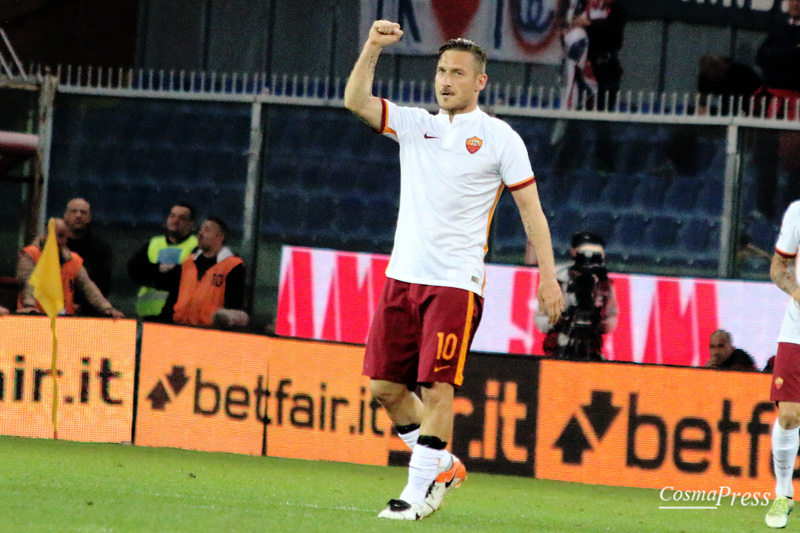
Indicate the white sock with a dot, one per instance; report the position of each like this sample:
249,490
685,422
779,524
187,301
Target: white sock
784,450
421,473
446,462
410,438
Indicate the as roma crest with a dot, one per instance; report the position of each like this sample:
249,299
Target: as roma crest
474,144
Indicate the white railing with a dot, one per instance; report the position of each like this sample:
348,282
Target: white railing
506,99
10,65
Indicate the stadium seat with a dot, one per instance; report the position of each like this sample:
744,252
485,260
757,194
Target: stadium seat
168,150
507,231
284,216
321,221
587,188
228,203
650,192
619,191
552,190
632,155
762,233
601,222
711,197
682,195
381,216
707,263
630,234
350,213
662,235
699,239
282,172
564,221
341,176
58,193
380,221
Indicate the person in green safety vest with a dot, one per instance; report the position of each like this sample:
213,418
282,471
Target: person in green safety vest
149,266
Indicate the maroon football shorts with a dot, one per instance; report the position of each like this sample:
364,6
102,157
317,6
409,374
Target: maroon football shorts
786,374
421,333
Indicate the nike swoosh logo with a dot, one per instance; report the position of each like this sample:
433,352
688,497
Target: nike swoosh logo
437,368
452,478
430,137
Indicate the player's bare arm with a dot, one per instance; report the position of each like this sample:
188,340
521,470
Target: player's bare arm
549,294
358,96
782,275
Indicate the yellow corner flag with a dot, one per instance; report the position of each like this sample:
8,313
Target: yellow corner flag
49,292
46,277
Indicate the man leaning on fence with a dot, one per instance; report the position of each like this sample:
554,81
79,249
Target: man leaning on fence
75,278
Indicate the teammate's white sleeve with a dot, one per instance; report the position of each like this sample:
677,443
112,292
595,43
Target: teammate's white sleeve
789,238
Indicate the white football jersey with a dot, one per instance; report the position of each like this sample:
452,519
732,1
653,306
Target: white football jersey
451,177
787,245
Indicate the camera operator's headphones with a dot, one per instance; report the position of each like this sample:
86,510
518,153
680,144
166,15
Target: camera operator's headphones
587,237
592,248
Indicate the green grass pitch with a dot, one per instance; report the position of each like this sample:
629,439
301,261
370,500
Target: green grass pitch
61,486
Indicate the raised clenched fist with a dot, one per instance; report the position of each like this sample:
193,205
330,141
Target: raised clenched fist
385,33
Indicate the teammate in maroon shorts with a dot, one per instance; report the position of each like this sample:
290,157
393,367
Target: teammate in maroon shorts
785,389
453,168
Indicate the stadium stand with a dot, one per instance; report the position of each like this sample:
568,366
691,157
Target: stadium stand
329,181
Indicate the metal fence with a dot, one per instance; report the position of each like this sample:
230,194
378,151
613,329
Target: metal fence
740,135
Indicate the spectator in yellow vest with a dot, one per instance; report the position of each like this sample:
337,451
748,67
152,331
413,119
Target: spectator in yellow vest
212,282
152,264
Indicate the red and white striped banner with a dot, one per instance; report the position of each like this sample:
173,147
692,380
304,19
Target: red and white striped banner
331,295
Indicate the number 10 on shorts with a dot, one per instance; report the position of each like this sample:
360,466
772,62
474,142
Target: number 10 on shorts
447,345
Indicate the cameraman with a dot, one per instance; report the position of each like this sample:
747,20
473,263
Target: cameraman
590,304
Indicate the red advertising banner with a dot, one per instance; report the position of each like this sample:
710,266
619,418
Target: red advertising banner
96,362
331,295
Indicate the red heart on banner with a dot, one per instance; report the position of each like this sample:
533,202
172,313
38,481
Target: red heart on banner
454,16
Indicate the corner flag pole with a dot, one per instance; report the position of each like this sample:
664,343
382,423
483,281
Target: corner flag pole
49,293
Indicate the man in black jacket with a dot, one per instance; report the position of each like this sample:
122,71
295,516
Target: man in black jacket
779,55
95,252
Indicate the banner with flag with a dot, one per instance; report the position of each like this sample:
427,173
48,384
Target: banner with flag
49,292
512,30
